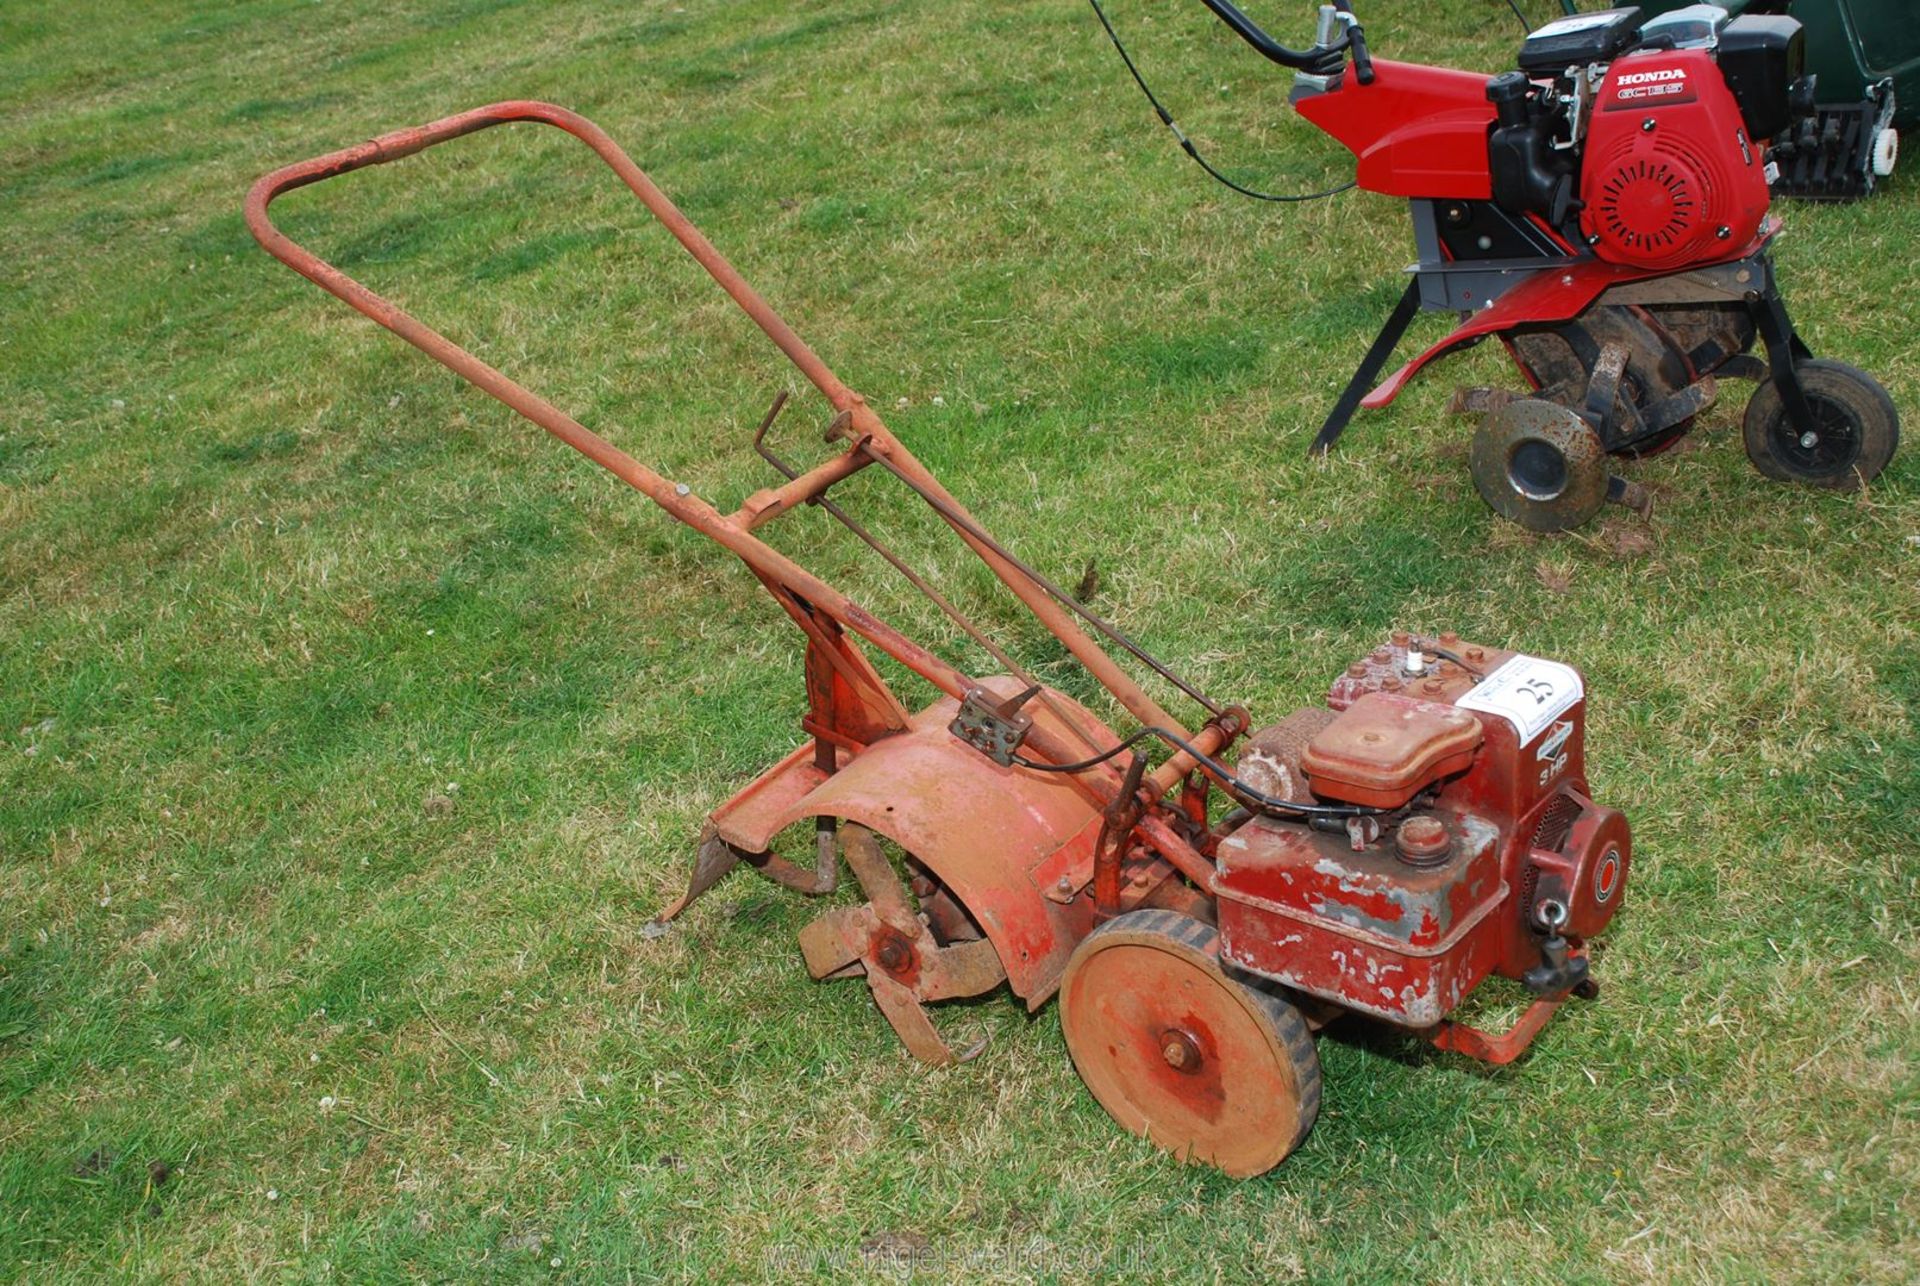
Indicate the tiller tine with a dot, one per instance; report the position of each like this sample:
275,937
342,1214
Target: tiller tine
1690,401
712,860
1478,400
715,858
1629,494
904,965
1603,386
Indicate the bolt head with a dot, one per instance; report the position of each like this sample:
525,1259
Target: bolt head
1180,1050
1808,441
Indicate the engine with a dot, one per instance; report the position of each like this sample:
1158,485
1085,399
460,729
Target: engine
1490,858
1648,139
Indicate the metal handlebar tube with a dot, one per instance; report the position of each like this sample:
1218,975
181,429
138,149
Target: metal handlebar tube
1321,60
800,592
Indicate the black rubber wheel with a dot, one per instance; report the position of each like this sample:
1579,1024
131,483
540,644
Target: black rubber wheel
1858,429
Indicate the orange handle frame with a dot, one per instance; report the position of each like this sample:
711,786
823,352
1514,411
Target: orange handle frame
869,437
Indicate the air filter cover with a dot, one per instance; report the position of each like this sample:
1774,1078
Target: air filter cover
1385,748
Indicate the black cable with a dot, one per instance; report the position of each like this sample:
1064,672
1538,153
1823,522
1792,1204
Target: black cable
1035,765
1445,655
1259,801
1524,24
1186,144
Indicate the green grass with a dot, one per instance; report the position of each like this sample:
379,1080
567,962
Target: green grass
350,731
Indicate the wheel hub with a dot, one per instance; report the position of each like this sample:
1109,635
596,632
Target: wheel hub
1537,469
1181,1050
1829,447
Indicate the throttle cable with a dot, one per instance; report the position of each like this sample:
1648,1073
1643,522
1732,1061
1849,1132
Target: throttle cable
1186,144
1258,800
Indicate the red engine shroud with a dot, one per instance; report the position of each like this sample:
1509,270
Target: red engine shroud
1417,131
1669,177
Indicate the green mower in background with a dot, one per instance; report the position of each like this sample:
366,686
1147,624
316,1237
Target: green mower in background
1866,56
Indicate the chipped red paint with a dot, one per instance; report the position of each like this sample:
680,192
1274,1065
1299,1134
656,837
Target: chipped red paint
1369,931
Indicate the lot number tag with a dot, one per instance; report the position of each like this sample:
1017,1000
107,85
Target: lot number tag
1528,692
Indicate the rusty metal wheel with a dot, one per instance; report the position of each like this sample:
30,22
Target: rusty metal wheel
1210,1068
1538,464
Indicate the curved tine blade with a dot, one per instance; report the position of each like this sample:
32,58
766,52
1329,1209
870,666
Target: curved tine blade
832,943
963,969
1478,400
910,1021
1687,403
714,858
881,883
1603,386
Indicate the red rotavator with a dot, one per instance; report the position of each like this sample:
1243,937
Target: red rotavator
1426,828
1603,210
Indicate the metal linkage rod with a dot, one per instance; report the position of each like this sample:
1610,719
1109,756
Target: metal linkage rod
914,578
969,527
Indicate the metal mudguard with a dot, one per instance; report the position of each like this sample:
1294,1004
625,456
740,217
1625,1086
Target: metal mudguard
983,829
1548,297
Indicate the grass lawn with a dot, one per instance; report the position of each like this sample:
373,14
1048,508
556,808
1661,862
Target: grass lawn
351,730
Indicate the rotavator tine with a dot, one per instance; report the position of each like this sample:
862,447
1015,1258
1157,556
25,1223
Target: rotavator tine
904,965
878,878
1478,400
831,944
714,859
1603,386
1622,491
910,1022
